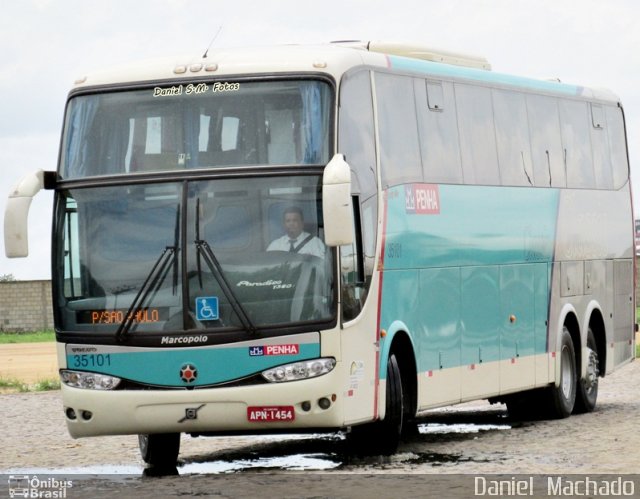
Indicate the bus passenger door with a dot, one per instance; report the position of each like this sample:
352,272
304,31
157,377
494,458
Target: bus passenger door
358,290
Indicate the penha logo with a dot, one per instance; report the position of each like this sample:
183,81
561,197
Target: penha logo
422,199
260,350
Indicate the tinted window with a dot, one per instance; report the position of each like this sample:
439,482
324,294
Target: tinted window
600,149
356,133
356,139
205,125
512,134
617,142
546,144
477,135
438,129
399,149
576,123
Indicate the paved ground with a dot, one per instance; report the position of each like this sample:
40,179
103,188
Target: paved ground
467,440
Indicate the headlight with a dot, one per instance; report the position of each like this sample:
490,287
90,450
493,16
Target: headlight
299,370
90,381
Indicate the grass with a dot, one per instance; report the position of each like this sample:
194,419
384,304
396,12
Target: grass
37,337
44,385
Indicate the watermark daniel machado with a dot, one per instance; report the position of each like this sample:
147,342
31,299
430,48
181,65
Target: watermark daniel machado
557,486
38,487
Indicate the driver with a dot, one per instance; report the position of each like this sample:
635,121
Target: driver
296,240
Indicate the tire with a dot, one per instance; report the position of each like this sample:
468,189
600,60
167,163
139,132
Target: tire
562,398
587,390
383,436
391,425
160,449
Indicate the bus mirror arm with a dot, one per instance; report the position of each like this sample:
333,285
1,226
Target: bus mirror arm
337,211
16,243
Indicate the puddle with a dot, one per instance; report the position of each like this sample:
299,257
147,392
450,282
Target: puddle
314,452
447,429
298,462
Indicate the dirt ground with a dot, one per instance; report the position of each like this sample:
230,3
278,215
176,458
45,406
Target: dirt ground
28,362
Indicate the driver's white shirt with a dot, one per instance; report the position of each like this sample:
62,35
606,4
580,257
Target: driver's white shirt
313,247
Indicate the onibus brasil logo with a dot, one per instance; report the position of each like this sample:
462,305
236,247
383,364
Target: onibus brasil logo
34,486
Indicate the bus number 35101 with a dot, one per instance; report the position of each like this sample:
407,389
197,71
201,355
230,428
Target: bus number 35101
93,360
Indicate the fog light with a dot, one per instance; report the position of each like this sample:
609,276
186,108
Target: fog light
86,415
324,403
71,414
306,406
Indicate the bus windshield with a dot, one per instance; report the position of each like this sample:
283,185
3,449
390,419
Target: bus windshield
196,125
215,255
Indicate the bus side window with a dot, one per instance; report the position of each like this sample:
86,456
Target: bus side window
400,159
73,276
575,124
618,147
356,141
438,131
546,144
600,149
352,270
477,135
512,134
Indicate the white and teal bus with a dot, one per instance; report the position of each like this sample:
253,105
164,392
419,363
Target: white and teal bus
472,236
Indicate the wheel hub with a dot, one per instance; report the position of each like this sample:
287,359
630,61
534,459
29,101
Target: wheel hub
591,379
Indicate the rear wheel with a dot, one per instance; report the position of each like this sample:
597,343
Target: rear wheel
587,391
160,449
562,398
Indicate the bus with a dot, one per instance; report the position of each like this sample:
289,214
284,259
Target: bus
466,235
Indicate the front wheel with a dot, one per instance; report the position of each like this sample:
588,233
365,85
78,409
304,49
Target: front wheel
562,398
383,436
160,449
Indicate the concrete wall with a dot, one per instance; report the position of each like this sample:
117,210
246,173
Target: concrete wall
25,306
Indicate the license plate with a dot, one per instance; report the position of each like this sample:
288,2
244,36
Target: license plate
275,413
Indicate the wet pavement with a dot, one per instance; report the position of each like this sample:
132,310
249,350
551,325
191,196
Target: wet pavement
447,449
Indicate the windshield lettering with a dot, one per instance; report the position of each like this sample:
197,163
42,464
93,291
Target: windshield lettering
182,340
167,92
273,284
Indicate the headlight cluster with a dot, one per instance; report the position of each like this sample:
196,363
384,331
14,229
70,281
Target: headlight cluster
299,370
90,381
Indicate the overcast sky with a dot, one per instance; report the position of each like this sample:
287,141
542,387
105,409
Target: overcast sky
45,45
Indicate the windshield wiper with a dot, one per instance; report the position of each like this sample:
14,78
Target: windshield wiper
155,278
205,251
212,262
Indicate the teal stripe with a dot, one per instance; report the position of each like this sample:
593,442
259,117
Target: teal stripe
477,225
479,75
455,277
214,365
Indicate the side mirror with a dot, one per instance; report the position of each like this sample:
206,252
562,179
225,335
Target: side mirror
16,244
337,211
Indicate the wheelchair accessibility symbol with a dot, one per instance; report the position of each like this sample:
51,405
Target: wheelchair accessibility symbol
207,308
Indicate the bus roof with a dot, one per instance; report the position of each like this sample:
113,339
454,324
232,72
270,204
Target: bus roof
333,59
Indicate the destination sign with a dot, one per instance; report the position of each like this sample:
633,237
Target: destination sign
141,316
